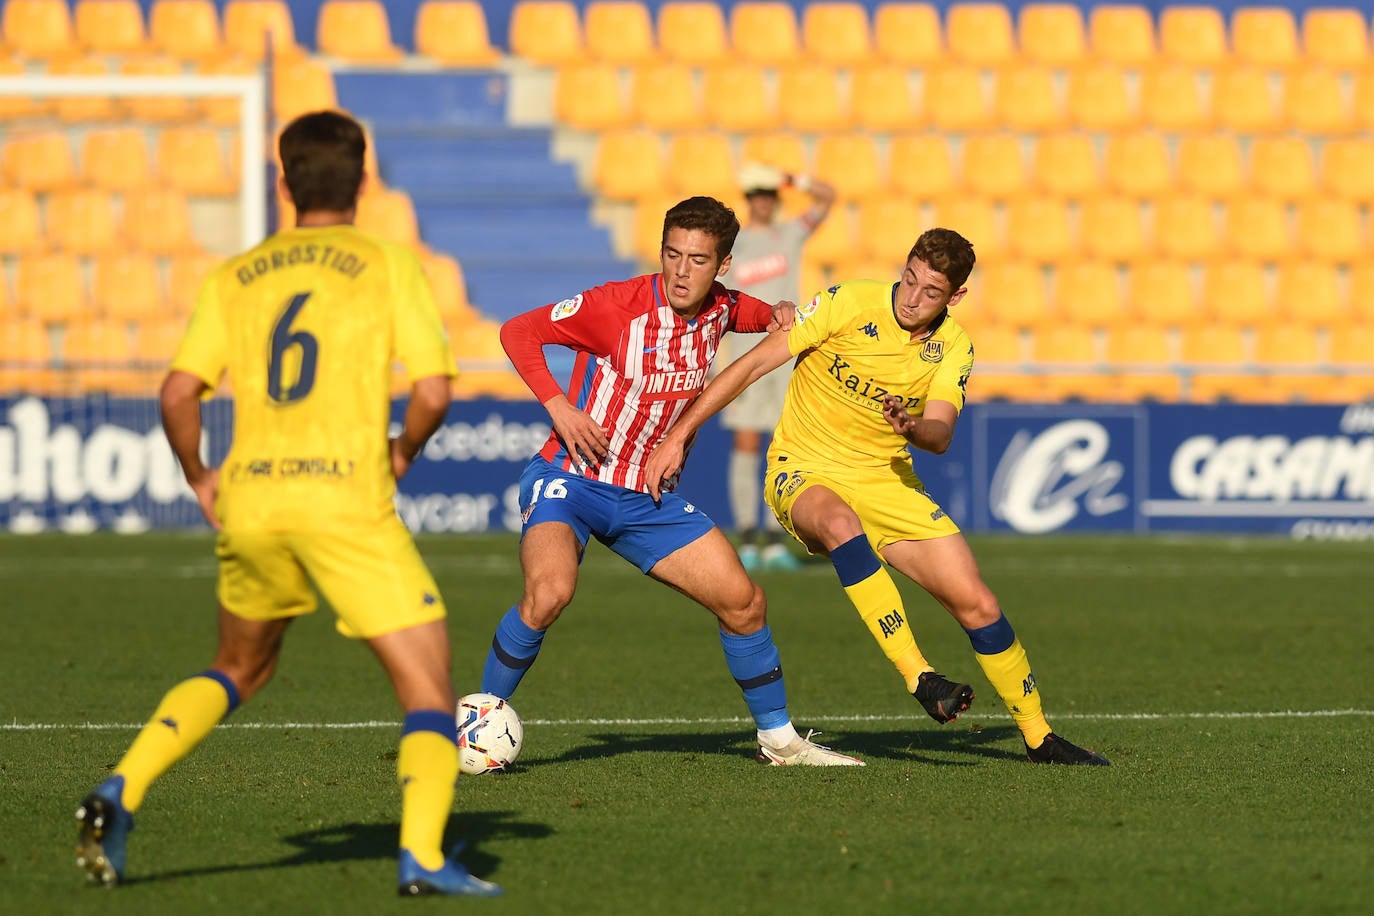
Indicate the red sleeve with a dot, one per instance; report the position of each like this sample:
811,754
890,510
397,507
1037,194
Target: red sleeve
582,325
749,315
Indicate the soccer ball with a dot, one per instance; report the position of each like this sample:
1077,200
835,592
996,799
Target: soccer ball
490,735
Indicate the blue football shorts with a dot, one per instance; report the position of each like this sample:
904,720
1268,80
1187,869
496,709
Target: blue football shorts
629,523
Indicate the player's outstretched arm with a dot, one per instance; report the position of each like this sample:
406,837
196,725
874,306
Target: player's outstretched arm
932,432
667,459
180,403
426,409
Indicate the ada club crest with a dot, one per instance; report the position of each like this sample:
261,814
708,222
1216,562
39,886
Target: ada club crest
566,309
933,351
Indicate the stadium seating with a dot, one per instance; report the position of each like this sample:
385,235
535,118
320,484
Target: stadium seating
186,29
1123,35
1337,38
980,33
162,109
82,221
255,28
703,21
38,28
908,33
51,288
21,228
127,287
454,33
546,32
810,99
665,96
1052,34
765,32
619,32
836,33
1194,36
357,31
1065,164
921,166
110,27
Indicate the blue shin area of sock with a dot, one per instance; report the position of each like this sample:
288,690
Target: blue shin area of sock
439,721
994,638
757,668
854,560
513,650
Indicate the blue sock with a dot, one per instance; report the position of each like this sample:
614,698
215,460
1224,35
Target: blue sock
757,668
513,649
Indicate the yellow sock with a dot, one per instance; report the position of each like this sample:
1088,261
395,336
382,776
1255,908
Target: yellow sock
878,602
181,721
427,766
1010,674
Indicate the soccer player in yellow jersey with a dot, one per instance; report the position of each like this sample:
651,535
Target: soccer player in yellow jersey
307,326
880,367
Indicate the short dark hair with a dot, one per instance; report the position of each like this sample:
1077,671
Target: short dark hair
322,157
707,214
945,251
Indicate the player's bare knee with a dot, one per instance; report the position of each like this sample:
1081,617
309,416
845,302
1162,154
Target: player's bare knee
980,611
544,601
747,614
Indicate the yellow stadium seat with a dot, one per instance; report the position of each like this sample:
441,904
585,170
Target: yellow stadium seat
1122,34
156,339
389,214
186,29
18,107
1231,386
1171,100
25,346
40,161
1013,295
1065,344
1111,229
1363,105
1143,350
1243,101
1337,38
1186,228
96,350
997,346
224,111
83,108
629,165
993,165
920,166
82,222
702,162
664,96
590,97
1257,228
1347,169
835,241
703,23
192,160
1039,230
781,150
1314,289
1329,230
1193,35
546,32
1314,102
1161,294
1211,164
954,99
110,26
1362,298
976,221
128,287
619,31
837,32
765,32
158,222
1097,99
51,288
1283,167
1353,345
449,288
357,31
185,275
1235,292
881,99
1215,344
888,226
1025,99
454,33
252,27
850,163
908,33
980,33
1286,344
1090,294
737,98
647,233
21,229
810,100
1065,164
158,108
38,28
1052,34
302,85
1137,164
1265,37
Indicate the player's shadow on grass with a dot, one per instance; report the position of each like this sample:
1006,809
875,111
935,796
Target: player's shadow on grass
361,842
919,745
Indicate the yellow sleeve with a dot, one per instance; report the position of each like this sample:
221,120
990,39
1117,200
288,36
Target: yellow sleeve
950,382
420,341
204,351
814,322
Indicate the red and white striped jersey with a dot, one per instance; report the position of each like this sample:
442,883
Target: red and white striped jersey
638,367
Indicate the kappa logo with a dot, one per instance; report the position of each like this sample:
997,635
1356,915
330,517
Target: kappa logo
871,330
566,309
933,351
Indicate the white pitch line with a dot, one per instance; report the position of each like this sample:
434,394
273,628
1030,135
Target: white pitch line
721,720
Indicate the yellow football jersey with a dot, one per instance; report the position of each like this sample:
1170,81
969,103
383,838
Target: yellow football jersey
852,353
307,326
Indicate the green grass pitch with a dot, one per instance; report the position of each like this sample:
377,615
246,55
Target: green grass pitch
1228,680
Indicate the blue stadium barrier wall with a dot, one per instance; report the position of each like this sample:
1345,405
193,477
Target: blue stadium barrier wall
1305,472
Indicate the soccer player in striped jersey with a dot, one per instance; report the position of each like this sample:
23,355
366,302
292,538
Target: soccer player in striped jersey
881,367
643,350
307,326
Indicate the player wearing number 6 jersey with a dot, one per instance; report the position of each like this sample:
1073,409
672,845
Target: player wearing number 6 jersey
643,349
306,326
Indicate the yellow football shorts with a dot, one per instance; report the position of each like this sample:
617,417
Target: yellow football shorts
374,578
891,502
